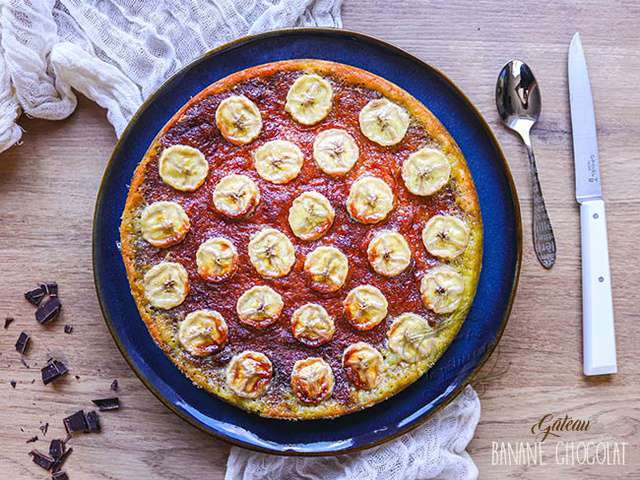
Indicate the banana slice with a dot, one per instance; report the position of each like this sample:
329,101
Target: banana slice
410,337
236,196
312,325
166,285
365,307
259,307
370,200
238,119
182,167
426,171
384,122
309,99
216,259
164,224
312,380
278,161
441,289
327,268
389,253
445,236
335,152
249,374
203,332
362,364
310,215
271,253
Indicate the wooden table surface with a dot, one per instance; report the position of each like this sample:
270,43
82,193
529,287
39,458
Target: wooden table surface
48,186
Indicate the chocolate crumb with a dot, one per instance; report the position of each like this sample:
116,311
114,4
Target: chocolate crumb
68,329
24,362
32,439
42,460
13,383
60,476
77,377
48,311
105,404
8,321
114,386
93,421
35,296
53,370
56,448
22,344
44,429
76,422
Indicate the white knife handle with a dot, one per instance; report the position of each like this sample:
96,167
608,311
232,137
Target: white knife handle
599,342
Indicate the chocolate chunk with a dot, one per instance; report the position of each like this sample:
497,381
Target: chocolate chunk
44,429
22,344
68,329
50,288
60,462
93,421
105,404
13,383
114,386
42,460
56,448
35,296
60,476
8,321
32,439
53,370
48,311
76,422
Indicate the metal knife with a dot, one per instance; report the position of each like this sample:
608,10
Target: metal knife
598,335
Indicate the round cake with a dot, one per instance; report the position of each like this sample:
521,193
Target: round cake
303,239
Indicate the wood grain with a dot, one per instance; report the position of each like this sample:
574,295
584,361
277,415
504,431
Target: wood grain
48,187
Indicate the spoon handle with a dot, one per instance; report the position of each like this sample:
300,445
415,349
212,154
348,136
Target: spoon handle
544,242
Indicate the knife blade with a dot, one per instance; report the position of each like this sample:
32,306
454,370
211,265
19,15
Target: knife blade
598,335
583,124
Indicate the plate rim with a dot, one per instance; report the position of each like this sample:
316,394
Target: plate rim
398,51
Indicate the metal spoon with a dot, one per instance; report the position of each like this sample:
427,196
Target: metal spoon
519,103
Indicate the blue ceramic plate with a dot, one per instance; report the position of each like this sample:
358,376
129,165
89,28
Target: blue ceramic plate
480,332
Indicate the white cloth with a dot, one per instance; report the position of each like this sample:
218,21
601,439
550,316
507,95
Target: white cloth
117,52
435,450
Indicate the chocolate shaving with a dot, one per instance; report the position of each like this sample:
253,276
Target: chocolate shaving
60,462
68,329
42,460
59,476
13,383
44,429
93,421
53,370
48,311
22,344
8,321
32,439
56,448
24,362
76,422
114,386
35,296
105,404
